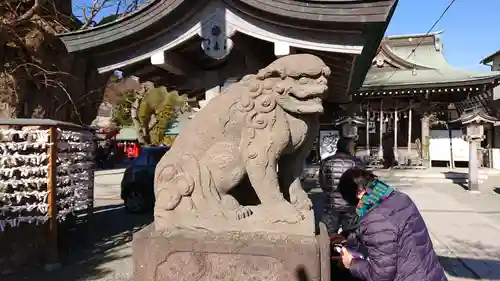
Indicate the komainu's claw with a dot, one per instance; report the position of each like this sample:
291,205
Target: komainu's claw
244,212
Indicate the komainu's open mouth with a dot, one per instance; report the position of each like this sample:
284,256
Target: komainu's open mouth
299,98
311,97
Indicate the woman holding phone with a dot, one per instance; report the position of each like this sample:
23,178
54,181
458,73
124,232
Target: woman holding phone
390,230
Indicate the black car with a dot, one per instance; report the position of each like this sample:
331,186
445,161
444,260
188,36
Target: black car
137,187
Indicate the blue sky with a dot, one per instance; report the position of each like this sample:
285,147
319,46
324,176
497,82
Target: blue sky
471,27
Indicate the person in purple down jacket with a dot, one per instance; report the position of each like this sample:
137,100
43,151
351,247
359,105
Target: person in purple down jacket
391,241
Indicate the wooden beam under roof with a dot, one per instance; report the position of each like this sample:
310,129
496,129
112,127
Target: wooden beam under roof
147,72
172,63
331,57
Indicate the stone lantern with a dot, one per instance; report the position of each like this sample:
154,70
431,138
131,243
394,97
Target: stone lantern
349,127
474,122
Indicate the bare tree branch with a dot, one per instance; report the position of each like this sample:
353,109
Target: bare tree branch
28,63
93,10
31,12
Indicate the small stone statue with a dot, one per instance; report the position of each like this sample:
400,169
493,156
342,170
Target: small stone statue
259,131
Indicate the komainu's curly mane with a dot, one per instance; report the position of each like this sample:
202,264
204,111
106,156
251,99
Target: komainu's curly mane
256,102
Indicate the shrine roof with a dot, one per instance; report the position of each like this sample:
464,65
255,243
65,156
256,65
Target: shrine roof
490,58
348,32
127,134
418,50
41,122
159,16
475,116
425,78
351,119
418,61
178,124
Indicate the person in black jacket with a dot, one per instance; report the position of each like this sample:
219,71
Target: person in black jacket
337,213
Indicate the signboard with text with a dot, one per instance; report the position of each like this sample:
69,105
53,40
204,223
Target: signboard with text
372,129
328,142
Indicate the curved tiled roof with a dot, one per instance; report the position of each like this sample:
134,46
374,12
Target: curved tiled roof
476,115
351,26
490,58
136,22
164,14
389,79
326,10
422,66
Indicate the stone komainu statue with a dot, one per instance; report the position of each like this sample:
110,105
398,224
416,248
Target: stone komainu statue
261,125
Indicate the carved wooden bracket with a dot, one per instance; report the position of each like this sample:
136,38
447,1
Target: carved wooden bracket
216,36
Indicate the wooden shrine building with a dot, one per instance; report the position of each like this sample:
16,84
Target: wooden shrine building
411,93
200,47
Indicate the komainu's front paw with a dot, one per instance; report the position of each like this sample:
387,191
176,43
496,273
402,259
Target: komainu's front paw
300,199
284,212
243,212
304,204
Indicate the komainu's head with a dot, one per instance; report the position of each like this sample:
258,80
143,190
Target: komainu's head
296,82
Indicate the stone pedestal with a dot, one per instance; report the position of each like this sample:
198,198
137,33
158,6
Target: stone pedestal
182,255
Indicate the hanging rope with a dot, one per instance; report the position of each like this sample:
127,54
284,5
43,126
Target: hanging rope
374,114
367,107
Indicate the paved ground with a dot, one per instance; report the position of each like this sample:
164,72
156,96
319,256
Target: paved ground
465,229
464,226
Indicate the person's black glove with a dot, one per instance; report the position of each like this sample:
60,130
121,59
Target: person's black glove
337,239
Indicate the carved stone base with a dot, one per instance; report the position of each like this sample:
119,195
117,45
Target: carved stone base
181,255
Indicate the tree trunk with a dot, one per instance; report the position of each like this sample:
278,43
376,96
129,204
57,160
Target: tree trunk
141,135
38,78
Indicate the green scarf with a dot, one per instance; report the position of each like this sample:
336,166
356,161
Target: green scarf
374,195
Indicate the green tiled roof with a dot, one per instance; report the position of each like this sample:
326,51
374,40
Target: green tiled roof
426,77
176,127
127,134
431,67
425,56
